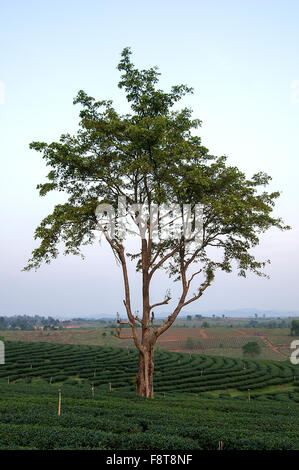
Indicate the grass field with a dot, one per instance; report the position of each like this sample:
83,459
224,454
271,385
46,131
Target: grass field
209,395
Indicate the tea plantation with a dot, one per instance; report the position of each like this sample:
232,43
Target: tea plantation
199,401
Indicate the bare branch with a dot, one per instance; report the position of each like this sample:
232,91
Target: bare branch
119,248
120,322
160,303
200,292
193,276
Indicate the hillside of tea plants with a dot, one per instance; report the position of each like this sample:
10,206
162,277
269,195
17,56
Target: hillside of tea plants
199,401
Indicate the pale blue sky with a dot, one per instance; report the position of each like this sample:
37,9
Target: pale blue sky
242,60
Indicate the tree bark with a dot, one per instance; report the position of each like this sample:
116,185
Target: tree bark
145,380
146,354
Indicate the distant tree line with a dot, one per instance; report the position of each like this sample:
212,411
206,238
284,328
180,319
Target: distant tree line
284,323
28,323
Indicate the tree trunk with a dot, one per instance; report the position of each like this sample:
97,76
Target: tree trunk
145,380
145,385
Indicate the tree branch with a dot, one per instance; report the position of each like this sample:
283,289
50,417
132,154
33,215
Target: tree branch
193,276
160,303
165,258
119,248
200,292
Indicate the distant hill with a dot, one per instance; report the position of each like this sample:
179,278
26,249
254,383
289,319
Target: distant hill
234,313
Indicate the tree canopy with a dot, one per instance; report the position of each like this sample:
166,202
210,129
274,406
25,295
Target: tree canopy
150,155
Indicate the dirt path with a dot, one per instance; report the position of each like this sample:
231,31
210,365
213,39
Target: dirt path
270,345
203,333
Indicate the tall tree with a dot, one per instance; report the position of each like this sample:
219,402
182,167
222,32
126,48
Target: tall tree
153,157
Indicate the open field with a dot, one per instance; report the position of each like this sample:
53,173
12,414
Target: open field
222,341
208,394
